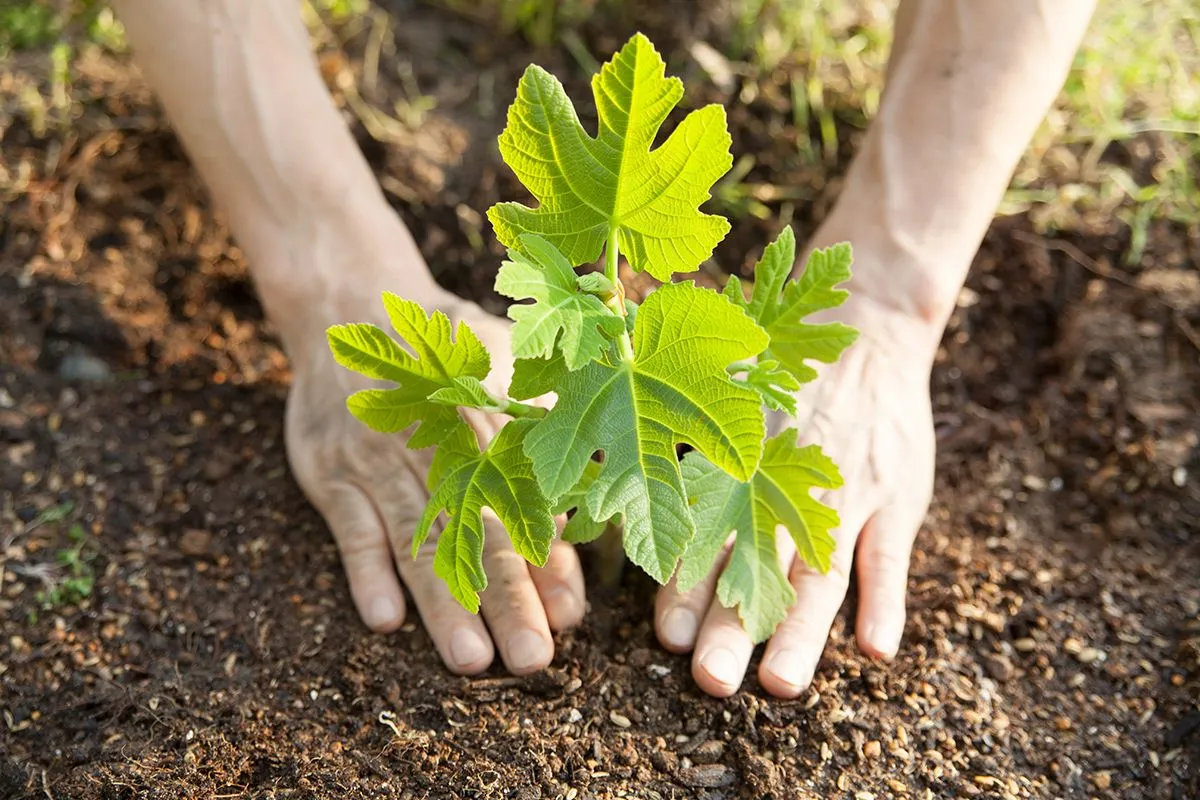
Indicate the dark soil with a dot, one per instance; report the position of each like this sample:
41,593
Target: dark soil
1053,648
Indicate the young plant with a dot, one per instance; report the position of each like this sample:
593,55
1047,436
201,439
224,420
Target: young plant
689,366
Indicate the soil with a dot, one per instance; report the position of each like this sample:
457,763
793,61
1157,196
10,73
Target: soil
1053,647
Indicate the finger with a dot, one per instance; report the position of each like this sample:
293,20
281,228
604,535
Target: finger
792,654
366,556
461,637
723,648
883,558
677,615
560,585
511,605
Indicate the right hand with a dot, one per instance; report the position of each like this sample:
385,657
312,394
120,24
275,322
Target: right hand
371,490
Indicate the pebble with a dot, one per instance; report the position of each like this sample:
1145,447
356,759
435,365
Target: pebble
872,749
999,668
572,686
195,542
84,368
1025,645
1089,654
1102,779
574,715
619,719
706,776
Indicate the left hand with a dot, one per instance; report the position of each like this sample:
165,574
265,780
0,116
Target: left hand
870,412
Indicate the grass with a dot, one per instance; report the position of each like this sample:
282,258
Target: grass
1135,83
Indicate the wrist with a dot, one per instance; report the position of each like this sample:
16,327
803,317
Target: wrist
903,262
327,270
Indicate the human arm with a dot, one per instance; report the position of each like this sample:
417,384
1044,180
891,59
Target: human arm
243,92
968,83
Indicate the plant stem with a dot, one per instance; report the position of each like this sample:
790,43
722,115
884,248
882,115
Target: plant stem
503,405
611,260
611,256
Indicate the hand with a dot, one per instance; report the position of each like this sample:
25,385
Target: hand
871,413
371,491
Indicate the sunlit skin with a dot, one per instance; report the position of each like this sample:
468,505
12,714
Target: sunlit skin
968,83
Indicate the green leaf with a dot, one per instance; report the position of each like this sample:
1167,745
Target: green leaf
534,377
587,188
436,360
596,283
775,385
780,305
578,323
465,392
581,528
676,390
501,479
777,495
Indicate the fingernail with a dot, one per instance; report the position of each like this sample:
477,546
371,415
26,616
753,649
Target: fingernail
883,638
383,612
467,648
679,627
792,668
723,666
527,650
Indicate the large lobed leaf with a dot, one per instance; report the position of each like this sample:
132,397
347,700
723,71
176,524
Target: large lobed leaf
781,305
501,479
562,317
676,390
776,495
587,188
439,358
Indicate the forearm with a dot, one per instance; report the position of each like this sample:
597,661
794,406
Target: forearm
969,82
241,87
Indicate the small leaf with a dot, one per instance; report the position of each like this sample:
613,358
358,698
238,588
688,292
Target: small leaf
794,341
776,386
465,392
676,390
777,495
534,377
436,360
577,323
596,283
499,478
581,528
588,187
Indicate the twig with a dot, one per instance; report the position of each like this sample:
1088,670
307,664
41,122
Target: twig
1075,254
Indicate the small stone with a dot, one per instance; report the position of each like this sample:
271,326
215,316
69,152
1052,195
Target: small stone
572,686
872,749
1089,654
897,786
573,716
1102,780
709,753
619,719
706,776
1062,723
1025,645
1073,646
195,542
999,668
83,368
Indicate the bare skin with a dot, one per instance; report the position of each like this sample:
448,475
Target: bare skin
968,83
